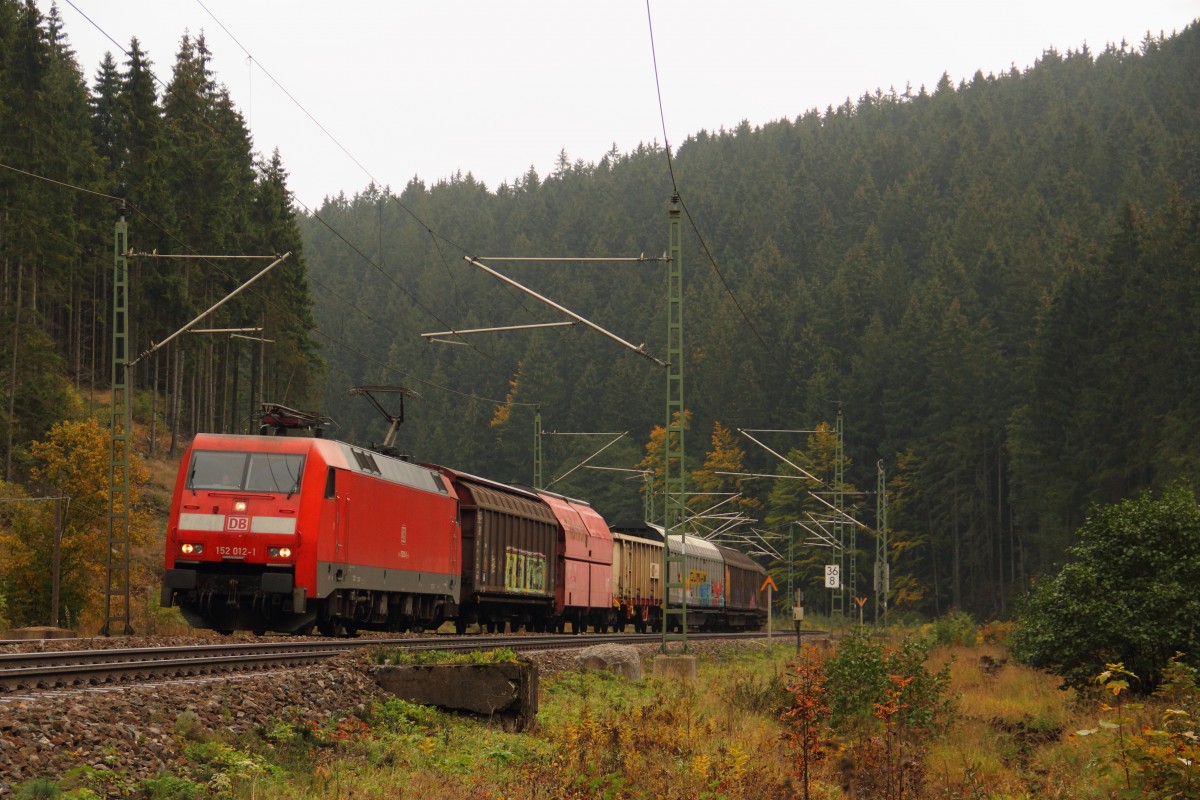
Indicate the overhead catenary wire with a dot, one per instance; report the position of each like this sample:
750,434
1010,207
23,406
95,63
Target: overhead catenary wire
61,183
695,229
639,349
437,239
375,181
315,215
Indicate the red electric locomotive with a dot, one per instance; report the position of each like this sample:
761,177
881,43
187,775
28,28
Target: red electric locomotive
292,533
287,533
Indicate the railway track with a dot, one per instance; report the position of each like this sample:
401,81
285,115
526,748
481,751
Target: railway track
66,668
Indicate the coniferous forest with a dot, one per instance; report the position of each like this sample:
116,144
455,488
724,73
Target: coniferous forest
992,287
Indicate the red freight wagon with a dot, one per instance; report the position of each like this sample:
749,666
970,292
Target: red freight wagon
600,597
510,544
584,595
284,533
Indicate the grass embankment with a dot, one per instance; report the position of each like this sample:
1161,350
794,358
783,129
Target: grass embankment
958,721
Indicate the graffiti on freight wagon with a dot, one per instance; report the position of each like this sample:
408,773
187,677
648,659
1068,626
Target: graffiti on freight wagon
524,571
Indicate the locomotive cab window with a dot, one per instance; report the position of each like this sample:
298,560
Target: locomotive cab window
247,472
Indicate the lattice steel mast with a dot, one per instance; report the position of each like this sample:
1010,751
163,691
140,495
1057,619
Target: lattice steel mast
674,471
116,596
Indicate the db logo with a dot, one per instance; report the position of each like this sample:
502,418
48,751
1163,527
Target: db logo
240,524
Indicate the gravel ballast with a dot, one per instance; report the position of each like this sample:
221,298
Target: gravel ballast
134,730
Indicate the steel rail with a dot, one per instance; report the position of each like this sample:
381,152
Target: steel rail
52,669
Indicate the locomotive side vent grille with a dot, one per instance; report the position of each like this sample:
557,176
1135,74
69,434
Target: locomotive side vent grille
366,462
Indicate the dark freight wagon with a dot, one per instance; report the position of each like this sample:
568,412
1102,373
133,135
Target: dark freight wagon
509,552
745,598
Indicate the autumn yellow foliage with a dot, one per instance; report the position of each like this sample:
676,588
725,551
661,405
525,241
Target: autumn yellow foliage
70,469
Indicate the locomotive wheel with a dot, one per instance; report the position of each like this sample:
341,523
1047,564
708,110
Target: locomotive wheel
331,627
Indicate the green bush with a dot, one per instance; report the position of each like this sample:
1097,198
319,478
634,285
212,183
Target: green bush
858,677
38,789
954,628
929,706
189,727
170,787
1128,595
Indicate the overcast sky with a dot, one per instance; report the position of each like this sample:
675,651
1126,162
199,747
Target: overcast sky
386,90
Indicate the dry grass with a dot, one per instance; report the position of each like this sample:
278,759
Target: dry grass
600,736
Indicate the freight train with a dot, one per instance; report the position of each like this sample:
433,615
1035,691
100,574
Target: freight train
296,533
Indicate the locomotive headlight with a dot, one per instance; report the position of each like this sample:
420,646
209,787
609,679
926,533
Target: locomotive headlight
285,552
239,506
187,548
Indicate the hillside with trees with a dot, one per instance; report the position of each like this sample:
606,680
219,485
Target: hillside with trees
169,154
993,282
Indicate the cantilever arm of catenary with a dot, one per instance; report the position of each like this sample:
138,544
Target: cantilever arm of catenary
639,349
616,439
218,304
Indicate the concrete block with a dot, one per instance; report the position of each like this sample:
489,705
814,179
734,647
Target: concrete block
504,693
675,666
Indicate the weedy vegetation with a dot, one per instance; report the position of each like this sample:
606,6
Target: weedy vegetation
405,657
937,712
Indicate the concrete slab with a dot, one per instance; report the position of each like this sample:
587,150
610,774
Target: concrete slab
675,666
504,693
